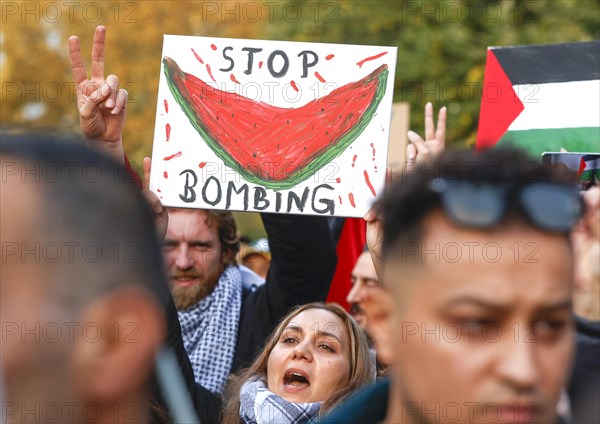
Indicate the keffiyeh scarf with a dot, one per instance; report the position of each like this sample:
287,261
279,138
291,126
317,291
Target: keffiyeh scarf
260,406
209,330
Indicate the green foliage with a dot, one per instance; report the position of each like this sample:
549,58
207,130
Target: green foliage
442,45
441,48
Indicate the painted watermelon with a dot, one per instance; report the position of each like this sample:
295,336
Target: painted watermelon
273,146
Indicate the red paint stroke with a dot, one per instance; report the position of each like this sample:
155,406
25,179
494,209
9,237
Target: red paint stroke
351,197
293,84
338,180
173,156
198,57
329,56
354,161
202,165
158,189
260,64
368,181
319,77
168,131
212,46
166,106
377,56
165,174
340,197
210,73
232,78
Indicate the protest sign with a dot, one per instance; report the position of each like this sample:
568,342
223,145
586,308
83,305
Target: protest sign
272,126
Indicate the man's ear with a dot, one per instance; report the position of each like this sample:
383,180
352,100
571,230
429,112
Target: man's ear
120,336
379,307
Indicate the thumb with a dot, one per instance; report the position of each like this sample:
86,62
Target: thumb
146,166
91,102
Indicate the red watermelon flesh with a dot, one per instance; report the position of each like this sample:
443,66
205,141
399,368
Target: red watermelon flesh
276,147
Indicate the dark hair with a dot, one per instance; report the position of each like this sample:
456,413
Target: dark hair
408,200
228,235
87,199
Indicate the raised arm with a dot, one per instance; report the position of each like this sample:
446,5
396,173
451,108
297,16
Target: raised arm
102,105
417,151
102,111
303,261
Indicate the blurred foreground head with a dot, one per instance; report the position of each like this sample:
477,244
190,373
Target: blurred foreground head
479,267
80,277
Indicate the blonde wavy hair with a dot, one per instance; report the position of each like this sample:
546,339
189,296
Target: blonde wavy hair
362,363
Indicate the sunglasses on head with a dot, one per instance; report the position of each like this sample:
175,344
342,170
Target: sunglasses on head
549,206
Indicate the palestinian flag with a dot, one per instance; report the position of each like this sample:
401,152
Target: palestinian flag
589,168
351,237
542,98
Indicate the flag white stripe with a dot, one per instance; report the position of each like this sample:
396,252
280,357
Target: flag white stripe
573,104
592,164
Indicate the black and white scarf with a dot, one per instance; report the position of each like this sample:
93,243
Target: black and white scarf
260,406
209,330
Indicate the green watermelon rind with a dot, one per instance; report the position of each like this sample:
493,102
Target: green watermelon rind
294,179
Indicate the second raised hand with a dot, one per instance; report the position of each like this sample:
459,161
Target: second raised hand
419,150
102,105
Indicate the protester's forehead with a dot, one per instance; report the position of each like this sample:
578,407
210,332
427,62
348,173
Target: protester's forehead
510,262
190,222
315,320
364,267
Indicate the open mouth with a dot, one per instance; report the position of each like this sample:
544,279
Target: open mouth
295,380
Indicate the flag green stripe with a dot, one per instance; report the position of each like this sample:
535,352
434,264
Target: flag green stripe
537,141
590,174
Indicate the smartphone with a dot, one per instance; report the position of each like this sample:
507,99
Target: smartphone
585,165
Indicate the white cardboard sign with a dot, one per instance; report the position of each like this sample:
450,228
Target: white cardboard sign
272,126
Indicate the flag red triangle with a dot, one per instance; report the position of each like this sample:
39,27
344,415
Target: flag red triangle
350,245
581,167
500,105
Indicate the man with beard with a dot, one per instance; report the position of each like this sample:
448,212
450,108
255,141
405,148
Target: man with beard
223,325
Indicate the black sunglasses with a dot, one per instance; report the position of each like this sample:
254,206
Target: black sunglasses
549,206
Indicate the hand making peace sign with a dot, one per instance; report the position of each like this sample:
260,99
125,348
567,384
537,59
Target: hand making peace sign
102,105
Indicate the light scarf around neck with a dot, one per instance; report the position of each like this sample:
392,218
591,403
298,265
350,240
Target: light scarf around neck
209,330
260,406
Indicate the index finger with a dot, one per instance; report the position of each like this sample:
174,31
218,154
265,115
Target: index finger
77,65
98,53
146,166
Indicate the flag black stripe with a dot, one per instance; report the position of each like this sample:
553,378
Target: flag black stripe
548,63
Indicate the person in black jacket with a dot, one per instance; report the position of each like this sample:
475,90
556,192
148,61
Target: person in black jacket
303,258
